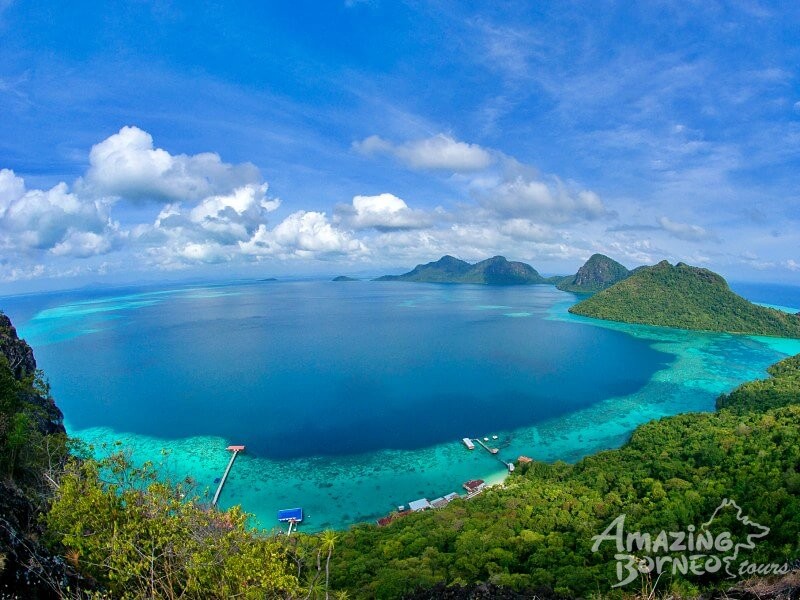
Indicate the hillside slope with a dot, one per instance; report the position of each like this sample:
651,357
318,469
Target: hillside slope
688,298
492,271
597,273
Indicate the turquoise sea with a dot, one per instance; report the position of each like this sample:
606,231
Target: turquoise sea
352,398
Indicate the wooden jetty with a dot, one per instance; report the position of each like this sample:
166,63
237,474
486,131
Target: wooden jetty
235,450
485,447
493,452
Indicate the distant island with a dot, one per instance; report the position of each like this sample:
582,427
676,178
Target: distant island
685,297
598,273
269,279
344,278
492,271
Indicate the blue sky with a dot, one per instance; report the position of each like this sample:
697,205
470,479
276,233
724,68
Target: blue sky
144,140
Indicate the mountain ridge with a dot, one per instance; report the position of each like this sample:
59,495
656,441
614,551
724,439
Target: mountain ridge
496,270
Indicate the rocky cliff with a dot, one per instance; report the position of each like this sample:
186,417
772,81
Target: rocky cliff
598,273
27,568
49,419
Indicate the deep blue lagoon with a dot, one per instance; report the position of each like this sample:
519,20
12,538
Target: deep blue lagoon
353,397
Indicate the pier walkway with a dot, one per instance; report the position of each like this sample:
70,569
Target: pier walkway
235,450
494,452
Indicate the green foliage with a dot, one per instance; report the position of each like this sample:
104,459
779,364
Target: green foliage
25,453
538,530
781,389
142,537
688,298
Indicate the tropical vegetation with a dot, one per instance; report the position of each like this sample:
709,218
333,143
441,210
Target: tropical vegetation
688,298
536,531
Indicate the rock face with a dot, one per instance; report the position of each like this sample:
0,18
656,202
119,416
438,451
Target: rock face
598,273
22,363
18,353
27,569
492,271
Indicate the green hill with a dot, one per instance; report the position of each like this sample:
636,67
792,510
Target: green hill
598,273
688,298
492,271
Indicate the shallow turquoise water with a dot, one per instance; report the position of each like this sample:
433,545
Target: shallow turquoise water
353,399
788,309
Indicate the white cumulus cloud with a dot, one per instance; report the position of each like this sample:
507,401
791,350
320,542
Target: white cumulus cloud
383,212
127,165
53,220
303,234
210,230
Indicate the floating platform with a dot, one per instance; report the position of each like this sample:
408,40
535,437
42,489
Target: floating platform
468,443
290,515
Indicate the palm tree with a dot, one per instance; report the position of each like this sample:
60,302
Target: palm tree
313,586
328,542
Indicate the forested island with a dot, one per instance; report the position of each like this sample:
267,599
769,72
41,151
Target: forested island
492,271
685,297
